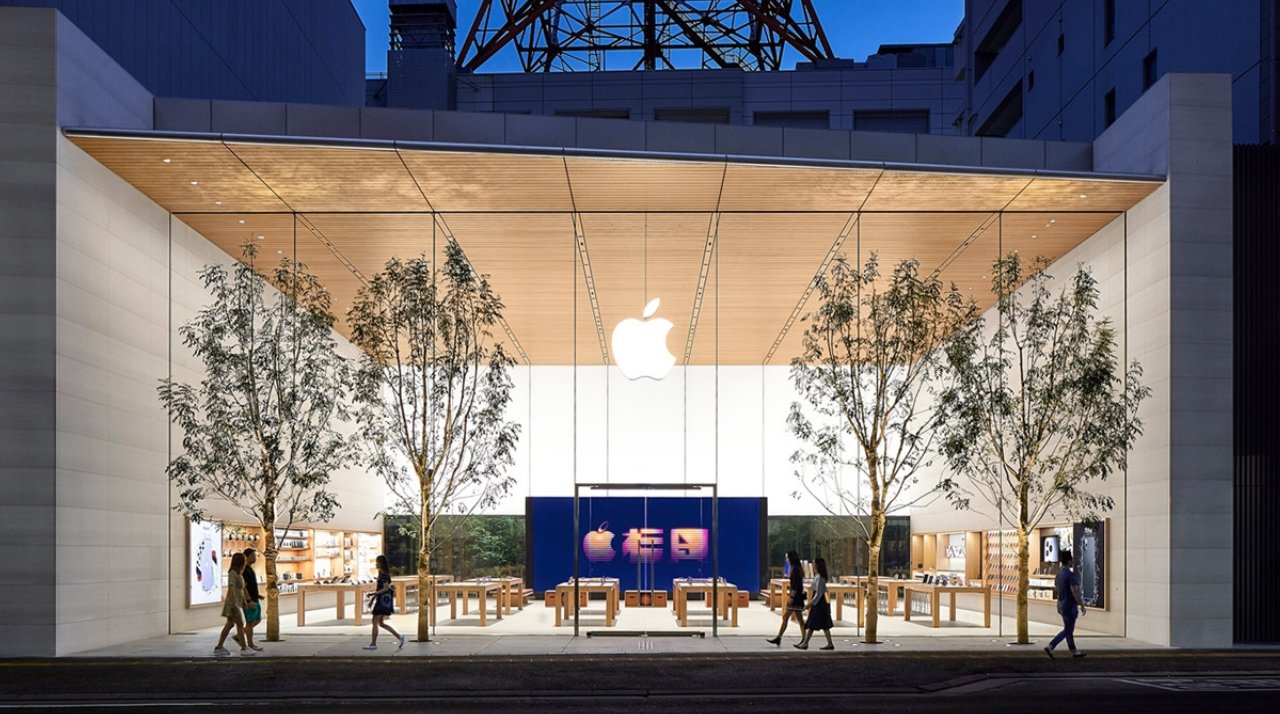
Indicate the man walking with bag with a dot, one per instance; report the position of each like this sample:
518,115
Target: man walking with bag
253,600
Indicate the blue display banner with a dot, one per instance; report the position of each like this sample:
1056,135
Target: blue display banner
644,542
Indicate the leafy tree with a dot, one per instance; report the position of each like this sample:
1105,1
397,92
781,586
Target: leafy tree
259,430
872,350
435,388
1039,407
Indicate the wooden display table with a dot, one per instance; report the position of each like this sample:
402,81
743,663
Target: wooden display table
404,583
340,590
888,587
512,590
934,593
567,606
727,594
839,592
481,590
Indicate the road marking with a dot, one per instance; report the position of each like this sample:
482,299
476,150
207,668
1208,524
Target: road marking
1209,684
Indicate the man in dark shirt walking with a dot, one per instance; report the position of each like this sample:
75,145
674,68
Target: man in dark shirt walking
1070,606
253,601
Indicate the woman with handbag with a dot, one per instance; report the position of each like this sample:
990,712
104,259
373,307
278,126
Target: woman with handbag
383,601
233,608
795,603
819,609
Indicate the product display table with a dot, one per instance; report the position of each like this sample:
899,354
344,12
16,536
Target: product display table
511,588
727,594
404,583
839,592
567,606
887,587
934,593
340,590
482,591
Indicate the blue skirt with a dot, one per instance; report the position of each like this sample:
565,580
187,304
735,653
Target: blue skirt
820,616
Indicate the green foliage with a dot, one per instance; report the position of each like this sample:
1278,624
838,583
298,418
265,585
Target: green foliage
1039,407
259,429
434,386
871,351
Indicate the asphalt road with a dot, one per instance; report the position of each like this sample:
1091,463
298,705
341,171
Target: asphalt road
951,682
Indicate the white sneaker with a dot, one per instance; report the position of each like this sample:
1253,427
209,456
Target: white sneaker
255,648
371,647
248,653
401,645
221,652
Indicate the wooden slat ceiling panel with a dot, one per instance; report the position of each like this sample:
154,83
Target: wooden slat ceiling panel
530,262
765,263
311,178
616,243
490,182
1056,194
924,191
776,188
219,175
634,185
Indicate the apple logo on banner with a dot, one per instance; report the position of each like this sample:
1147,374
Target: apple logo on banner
598,544
640,346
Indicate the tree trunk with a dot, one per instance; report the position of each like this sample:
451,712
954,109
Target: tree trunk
873,568
426,594
270,551
1024,583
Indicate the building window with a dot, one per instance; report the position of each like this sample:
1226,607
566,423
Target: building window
997,37
1149,75
1031,80
800,120
911,121
1006,115
1062,44
1109,108
696,115
595,113
1108,21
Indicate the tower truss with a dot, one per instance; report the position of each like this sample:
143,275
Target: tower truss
582,35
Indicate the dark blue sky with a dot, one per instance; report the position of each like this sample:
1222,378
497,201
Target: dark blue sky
855,27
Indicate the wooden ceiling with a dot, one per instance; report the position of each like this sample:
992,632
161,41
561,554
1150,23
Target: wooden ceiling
647,226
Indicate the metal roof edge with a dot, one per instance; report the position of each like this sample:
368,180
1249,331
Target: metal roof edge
626,154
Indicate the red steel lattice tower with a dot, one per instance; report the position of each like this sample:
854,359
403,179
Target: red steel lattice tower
580,35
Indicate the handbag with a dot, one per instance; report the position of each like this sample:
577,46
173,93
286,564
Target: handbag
253,612
385,601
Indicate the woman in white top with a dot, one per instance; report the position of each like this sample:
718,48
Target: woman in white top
233,608
819,609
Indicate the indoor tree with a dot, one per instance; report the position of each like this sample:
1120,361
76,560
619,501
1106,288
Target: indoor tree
1040,406
872,353
260,428
435,387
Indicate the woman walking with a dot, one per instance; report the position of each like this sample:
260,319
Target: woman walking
819,609
382,600
795,603
233,608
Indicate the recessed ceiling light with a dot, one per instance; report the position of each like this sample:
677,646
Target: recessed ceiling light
193,183
279,252
1084,195
261,237
217,203
1033,235
1053,220
167,161
242,221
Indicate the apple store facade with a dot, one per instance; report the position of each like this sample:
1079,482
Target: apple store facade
654,298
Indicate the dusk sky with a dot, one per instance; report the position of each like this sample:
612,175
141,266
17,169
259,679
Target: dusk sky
854,27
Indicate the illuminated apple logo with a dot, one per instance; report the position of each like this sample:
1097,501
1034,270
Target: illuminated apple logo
598,544
640,346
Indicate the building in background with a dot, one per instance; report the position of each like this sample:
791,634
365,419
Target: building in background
309,51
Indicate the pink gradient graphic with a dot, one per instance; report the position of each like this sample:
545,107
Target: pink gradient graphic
598,544
643,545
689,544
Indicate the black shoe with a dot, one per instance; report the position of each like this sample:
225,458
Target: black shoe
800,646
775,641
1049,652
1079,654
827,647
